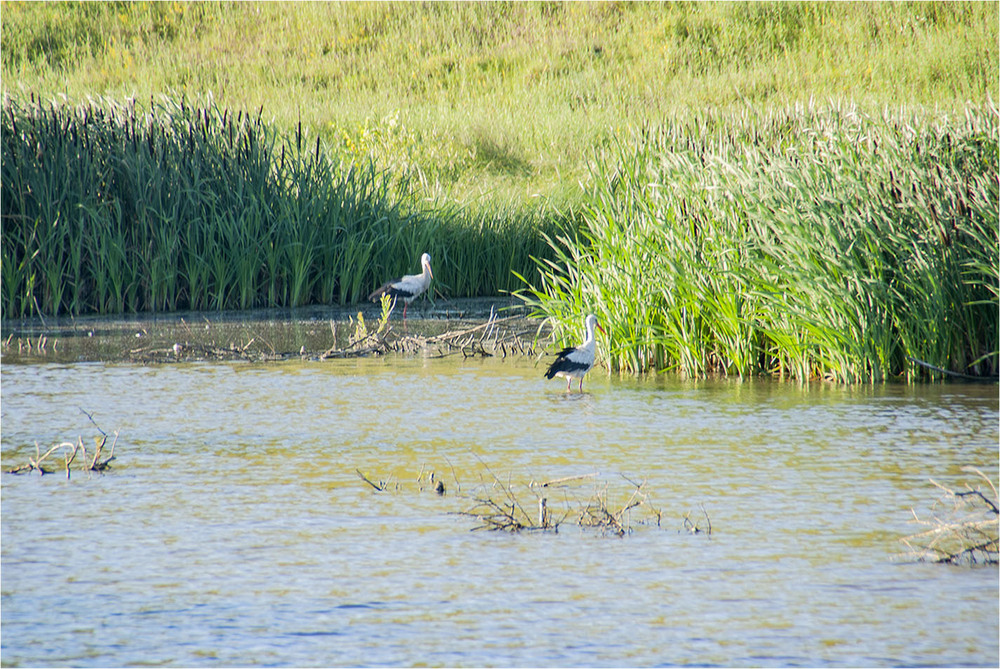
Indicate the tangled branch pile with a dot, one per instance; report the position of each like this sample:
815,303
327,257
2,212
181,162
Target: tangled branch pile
501,337
499,505
506,506
70,450
967,533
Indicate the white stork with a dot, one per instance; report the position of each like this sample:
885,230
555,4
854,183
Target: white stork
574,362
408,287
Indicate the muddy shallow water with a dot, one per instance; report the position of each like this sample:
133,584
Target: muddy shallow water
262,335
234,529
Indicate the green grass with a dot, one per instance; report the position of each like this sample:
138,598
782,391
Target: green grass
499,100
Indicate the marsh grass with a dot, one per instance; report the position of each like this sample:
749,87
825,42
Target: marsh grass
815,243
727,223
109,209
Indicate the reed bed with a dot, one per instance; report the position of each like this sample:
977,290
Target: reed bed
110,209
816,242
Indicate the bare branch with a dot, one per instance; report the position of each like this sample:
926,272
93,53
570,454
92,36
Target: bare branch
564,479
94,422
379,487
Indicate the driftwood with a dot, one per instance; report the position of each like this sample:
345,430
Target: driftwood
566,479
374,343
70,451
616,519
508,336
380,486
35,464
505,512
967,530
430,479
503,505
497,337
954,375
424,480
694,528
190,352
499,506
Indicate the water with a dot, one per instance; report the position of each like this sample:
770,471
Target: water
233,528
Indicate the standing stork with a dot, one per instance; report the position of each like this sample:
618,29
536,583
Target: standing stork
408,287
574,362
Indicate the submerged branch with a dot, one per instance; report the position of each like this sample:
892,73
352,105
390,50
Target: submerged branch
497,337
948,372
968,534
71,450
506,511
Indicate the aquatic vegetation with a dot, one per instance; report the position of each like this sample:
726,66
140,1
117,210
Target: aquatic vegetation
817,242
109,209
722,241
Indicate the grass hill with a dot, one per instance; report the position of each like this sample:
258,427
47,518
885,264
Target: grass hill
505,100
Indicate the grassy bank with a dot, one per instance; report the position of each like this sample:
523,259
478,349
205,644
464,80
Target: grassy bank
819,242
503,100
107,209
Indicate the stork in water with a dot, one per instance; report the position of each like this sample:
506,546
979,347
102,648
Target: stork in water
574,362
408,287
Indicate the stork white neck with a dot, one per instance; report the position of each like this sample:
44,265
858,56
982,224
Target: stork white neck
589,324
426,274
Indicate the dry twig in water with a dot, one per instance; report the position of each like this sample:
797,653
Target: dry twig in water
381,486
599,514
968,534
694,528
507,513
70,449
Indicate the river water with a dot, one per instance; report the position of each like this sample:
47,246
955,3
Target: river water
233,527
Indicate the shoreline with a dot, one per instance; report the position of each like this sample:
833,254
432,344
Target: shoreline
490,326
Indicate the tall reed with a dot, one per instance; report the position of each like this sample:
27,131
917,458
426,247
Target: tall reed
108,209
817,242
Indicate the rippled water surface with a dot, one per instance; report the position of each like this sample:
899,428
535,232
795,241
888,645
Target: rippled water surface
234,529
